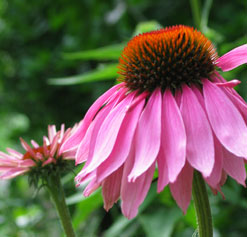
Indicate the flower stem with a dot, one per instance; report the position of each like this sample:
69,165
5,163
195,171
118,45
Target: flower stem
202,207
205,14
57,193
196,12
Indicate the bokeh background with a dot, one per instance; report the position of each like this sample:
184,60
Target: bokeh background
56,58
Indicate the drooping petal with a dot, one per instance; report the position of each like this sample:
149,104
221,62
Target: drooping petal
233,59
108,132
148,136
111,188
234,166
109,129
229,84
69,154
181,189
133,193
173,136
163,179
200,145
78,135
123,142
214,179
82,179
225,120
102,114
83,149
91,187
236,99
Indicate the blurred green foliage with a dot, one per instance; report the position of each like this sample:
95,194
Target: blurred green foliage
75,42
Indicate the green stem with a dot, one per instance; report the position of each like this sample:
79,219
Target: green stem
205,14
196,12
202,207
56,190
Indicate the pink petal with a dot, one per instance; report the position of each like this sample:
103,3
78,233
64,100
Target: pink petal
214,179
133,194
82,179
78,135
148,136
163,179
225,119
46,151
233,59
123,142
51,132
48,161
61,133
54,144
111,188
200,146
108,132
181,189
9,157
230,84
234,166
83,149
34,144
236,99
173,136
69,154
13,173
95,129
26,163
91,187
14,153
27,147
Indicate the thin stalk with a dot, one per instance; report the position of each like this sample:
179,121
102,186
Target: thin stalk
205,14
202,207
196,13
57,193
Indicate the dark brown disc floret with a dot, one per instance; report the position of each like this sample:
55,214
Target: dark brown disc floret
167,58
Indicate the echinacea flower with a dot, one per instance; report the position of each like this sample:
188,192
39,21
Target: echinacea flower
172,110
38,159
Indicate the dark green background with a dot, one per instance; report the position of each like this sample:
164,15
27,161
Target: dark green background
34,35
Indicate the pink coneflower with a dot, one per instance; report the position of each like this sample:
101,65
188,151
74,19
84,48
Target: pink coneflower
174,111
36,158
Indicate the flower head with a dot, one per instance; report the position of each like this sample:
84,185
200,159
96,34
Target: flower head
174,111
38,160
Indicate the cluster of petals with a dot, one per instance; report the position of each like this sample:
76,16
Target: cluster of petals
15,163
125,135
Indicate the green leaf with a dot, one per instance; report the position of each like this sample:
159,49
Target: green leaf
146,27
122,222
85,206
160,223
106,72
111,52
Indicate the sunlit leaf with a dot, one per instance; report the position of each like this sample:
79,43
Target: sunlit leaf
160,223
106,72
85,206
146,27
111,52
